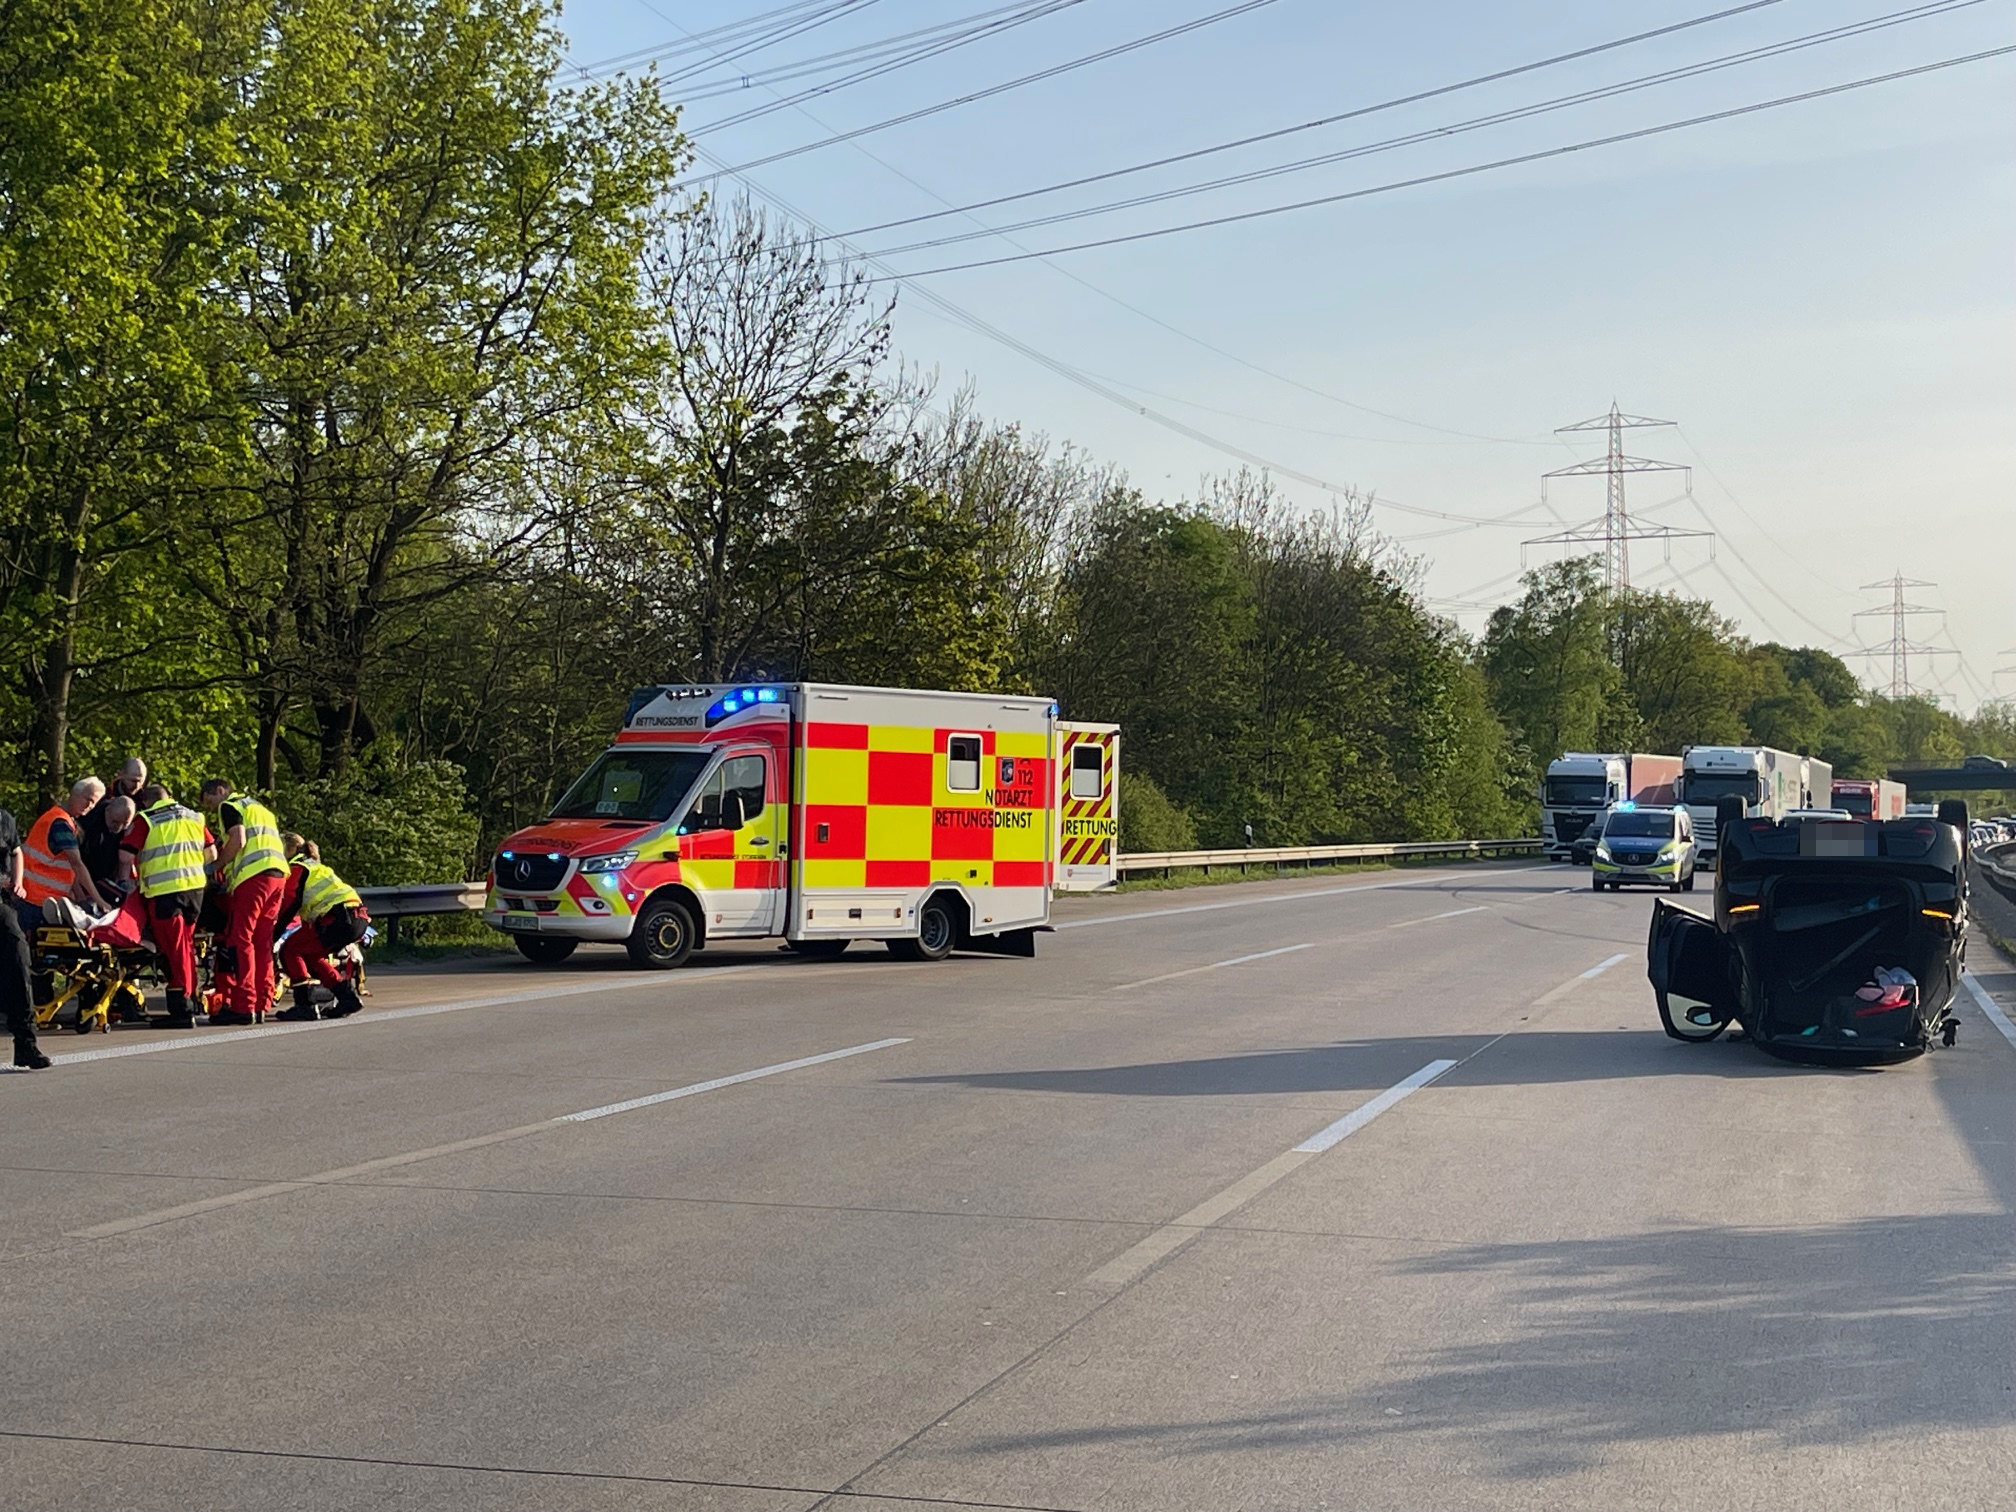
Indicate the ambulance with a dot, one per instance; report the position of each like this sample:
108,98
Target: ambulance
819,814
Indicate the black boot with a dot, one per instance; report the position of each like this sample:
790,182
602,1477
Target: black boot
179,1016
347,1001
304,1008
28,1055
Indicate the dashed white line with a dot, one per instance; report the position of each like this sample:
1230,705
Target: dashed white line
607,1109
1258,955
1135,1261
413,1157
1990,1008
1355,1120
1454,913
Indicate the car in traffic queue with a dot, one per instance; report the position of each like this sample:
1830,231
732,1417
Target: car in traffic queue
1652,845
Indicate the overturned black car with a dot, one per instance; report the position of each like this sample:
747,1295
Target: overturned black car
1835,942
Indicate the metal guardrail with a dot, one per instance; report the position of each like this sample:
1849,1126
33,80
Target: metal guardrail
1998,864
1283,857
391,904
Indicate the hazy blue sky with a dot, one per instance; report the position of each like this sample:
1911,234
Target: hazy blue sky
1820,294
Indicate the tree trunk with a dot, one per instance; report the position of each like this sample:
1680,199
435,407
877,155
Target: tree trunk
58,674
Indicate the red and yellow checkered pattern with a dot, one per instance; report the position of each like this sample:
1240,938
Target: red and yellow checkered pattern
1087,832
875,810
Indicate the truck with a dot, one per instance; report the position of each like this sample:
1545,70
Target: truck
1870,797
1580,785
1770,782
819,814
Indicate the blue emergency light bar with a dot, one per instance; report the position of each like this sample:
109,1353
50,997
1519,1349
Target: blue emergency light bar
737,701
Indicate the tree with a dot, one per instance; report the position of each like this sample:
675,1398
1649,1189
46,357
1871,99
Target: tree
1683,668
436,279
1547,660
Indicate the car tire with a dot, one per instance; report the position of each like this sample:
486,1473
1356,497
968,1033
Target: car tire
664,936
544,950
1595,884
1687,882
937,932
819,950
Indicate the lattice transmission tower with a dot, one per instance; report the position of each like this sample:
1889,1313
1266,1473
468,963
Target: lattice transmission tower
1616,530
1900,648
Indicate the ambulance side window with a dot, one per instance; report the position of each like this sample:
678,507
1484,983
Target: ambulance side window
705,814
962,763
742,778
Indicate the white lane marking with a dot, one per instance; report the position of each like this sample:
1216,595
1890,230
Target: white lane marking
1299,897
697,1088
1135,1261
454,1147
1555,994
1355,1120
1990,1007
1454,913
1601,966
1170,976
197,1041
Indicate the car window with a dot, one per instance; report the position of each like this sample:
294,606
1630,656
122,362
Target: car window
742,777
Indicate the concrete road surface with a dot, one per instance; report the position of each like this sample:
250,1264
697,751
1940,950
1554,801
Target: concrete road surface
1369,1192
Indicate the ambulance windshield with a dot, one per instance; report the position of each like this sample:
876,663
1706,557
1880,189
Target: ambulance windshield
633,784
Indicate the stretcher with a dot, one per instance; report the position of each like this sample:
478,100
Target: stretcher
100,980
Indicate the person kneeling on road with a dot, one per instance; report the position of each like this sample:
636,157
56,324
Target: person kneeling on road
332,918
253,867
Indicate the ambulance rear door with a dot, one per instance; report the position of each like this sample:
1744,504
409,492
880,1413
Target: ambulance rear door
1088,809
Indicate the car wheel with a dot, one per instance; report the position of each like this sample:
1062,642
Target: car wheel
936,932
664,936
1687,882
544,950
1595,884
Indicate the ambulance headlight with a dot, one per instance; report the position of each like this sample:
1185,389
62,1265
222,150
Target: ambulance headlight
602,865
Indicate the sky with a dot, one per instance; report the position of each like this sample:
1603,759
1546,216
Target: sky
1819,294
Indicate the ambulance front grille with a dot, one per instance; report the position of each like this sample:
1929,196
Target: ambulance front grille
529,872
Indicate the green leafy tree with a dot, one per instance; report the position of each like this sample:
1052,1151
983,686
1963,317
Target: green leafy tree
1548,662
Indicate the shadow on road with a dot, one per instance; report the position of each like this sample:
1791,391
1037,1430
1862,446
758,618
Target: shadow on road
1375,1064
1843,1335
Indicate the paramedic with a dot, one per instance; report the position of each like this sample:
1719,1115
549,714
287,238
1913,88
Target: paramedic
100,834
165,851
252,867
332,917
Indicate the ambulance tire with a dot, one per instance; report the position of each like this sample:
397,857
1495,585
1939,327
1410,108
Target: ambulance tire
937,933
544,950
664,936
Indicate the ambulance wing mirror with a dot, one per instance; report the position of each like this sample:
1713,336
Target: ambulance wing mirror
731,812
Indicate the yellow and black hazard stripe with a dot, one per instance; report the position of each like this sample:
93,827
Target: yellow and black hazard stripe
1088,831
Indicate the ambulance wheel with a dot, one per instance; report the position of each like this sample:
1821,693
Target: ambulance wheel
664,935
540,950
936,932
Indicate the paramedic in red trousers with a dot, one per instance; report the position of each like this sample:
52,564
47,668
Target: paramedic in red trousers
166,852
332,917
253,868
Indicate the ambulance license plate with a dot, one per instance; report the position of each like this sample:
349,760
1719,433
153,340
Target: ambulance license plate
522,923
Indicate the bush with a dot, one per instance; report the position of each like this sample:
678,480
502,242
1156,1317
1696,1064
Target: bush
385,823
1148,820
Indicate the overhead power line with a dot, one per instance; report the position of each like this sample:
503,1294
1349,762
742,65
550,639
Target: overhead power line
1174,158
1101,56
1518,160
728,35
961,39
1456,128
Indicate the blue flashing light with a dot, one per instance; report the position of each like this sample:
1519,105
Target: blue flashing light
1626,806
738,700
766,695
